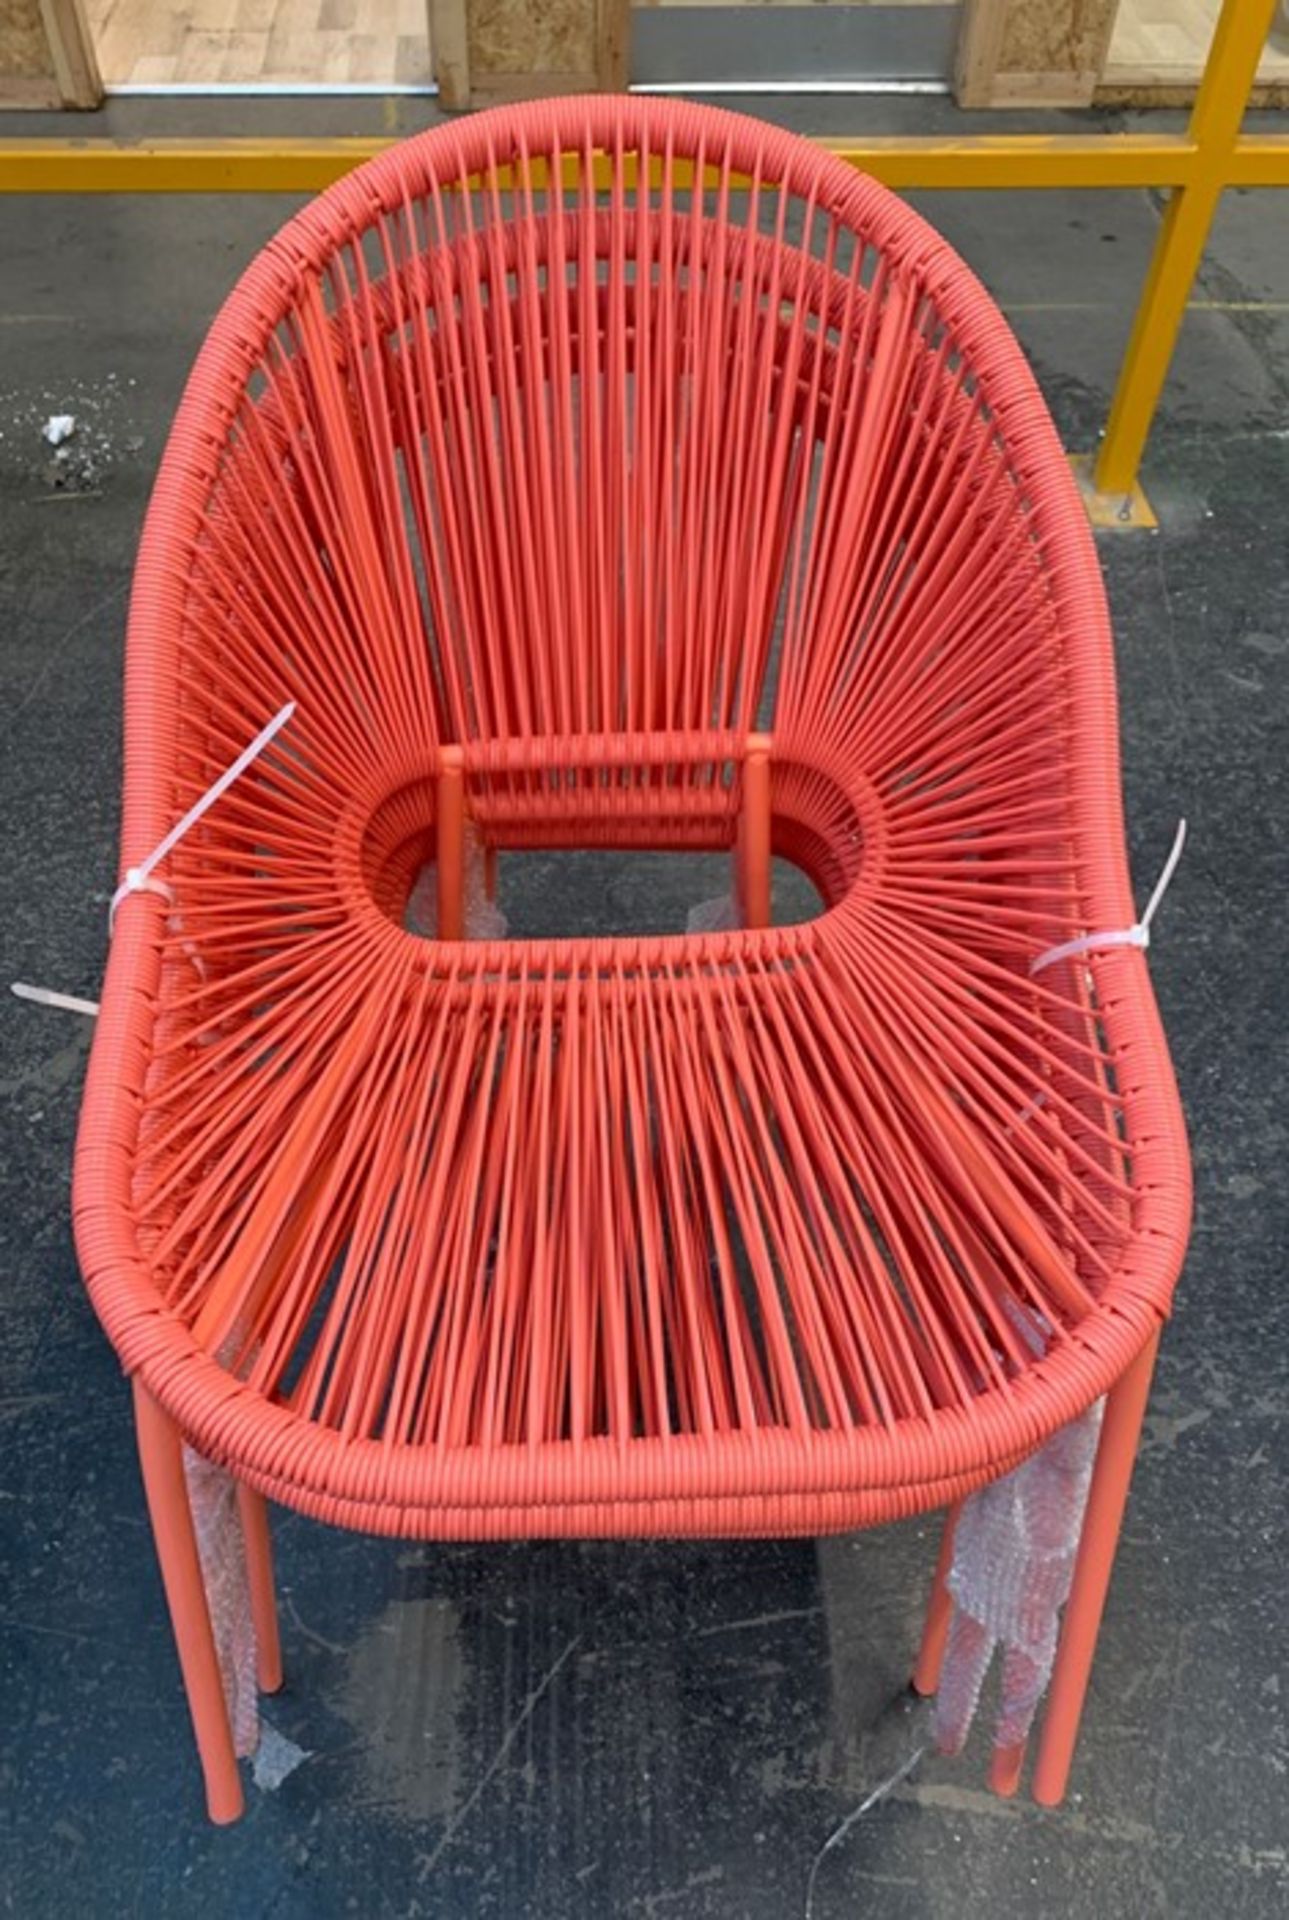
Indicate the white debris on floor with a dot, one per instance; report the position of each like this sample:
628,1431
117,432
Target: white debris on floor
276,1758
66,441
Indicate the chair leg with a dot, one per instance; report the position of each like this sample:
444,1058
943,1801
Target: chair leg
449,855
1005,1769
259,1573
754,833
939,1613
1107,1497
161,1458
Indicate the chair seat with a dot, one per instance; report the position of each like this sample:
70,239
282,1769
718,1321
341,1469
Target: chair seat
503,467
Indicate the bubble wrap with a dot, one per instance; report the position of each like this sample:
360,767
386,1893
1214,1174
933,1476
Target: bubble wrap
212,1495
484,919
718,915
1013,1559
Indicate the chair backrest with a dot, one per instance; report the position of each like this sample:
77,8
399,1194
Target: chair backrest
612,418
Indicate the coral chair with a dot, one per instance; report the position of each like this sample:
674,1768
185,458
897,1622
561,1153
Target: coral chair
625,474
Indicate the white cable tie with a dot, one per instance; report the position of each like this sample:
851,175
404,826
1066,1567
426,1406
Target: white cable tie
866,1805
48,997
140,879
1134,936
1027,1112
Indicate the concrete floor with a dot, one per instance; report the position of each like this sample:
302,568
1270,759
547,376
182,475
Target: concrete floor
539,1733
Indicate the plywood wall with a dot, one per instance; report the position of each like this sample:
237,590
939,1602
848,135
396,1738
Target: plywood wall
491,50
46,57
1032,53
27,77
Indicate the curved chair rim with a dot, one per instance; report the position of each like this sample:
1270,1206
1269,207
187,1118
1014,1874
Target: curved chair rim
364,1481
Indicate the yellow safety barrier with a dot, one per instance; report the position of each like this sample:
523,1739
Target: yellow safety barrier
1195,167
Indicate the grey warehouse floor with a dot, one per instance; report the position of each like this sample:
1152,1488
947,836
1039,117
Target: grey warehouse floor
555,1731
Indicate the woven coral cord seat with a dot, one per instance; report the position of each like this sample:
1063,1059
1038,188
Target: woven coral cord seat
583,505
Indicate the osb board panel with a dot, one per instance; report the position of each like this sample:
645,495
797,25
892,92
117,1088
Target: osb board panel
33,91
793,3
1113,93
543,36
264,42
1064,88
1056,36
497,89
24,48
1164,43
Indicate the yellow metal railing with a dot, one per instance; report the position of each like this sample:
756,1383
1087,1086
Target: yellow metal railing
1195,167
